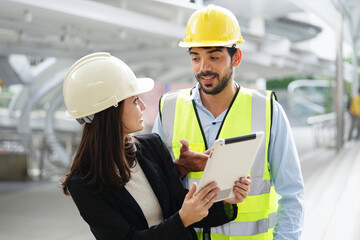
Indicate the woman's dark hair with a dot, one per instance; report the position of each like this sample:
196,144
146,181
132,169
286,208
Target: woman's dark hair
103,158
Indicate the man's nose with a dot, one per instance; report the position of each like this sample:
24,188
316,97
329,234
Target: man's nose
205,66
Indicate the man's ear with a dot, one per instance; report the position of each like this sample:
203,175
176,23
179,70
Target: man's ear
237,57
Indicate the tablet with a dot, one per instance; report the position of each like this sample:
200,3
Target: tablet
230,159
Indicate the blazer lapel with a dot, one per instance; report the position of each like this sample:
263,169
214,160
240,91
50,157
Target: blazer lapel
124,198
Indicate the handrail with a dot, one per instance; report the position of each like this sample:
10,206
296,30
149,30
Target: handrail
296,98
324,128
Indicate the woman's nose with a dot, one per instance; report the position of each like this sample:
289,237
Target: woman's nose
142,105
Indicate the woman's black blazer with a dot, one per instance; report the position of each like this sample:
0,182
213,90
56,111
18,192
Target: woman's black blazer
116,215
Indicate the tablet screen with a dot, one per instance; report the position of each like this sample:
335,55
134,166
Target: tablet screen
230,159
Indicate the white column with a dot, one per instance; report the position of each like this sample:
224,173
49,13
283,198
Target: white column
339,90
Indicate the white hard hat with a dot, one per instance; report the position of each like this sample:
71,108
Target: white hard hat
99,81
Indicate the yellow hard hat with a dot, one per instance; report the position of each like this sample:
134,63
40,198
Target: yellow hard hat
99,81
212,26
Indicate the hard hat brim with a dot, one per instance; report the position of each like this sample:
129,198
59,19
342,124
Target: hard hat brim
144,85
210,44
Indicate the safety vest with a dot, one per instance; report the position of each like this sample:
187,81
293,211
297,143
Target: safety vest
355,106
249,111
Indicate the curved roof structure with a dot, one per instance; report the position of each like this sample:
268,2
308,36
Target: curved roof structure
39,40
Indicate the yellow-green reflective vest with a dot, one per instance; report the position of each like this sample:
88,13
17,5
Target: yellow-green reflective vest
250,111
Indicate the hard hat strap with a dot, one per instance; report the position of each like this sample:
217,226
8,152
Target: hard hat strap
86,119
232,45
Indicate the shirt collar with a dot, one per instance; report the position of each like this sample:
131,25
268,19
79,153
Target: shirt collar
195,94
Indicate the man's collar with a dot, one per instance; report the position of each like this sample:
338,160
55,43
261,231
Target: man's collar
195,94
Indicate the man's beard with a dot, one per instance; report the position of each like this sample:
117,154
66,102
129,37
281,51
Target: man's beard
222,84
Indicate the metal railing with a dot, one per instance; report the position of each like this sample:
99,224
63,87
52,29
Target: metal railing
43,160
324,128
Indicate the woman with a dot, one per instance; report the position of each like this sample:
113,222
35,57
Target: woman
127,187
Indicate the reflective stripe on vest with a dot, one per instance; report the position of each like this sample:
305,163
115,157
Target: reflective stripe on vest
242,229
179,99
250,111
168,119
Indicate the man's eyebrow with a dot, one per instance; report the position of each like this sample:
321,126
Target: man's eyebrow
209,52
215,50
193,53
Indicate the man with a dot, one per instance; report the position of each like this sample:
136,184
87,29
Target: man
219,108
354,111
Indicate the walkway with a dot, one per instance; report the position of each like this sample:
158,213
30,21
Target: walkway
39,211
332,194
